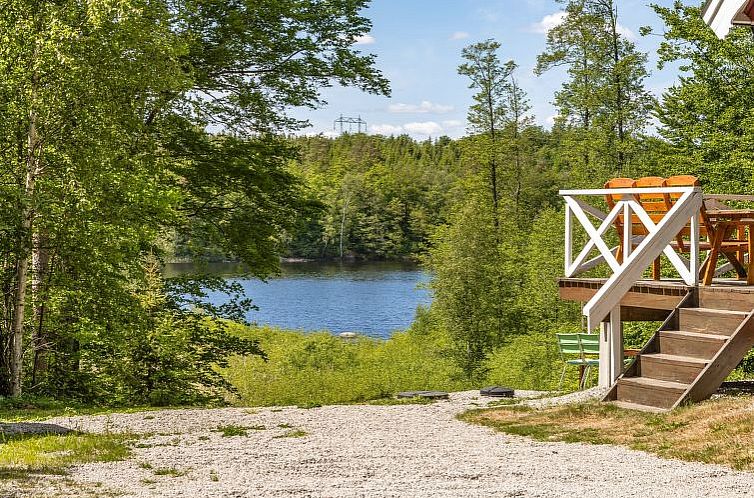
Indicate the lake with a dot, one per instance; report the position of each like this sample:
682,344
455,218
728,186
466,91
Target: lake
373,299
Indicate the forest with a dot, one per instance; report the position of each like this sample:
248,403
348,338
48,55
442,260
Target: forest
138,132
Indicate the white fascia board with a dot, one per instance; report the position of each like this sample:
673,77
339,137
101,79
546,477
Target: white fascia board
719,14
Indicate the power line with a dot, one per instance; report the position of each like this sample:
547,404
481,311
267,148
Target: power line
345,120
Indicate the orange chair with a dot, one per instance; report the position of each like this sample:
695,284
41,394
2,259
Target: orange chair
657,206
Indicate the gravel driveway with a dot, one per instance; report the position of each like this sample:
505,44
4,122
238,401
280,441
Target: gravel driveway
369,451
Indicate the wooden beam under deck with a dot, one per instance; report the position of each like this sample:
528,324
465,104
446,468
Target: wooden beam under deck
652,300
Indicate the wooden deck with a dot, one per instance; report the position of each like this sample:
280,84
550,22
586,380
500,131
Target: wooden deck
705,333
653,300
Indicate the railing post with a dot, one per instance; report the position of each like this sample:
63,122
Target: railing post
627,231
611,348
568,238
694,252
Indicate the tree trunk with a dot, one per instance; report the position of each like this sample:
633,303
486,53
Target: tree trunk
618,81
493,159
22,265
343,224
40,258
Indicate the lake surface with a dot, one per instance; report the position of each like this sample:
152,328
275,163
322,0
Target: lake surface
374,299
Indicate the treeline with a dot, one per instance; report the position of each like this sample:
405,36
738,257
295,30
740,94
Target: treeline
382,196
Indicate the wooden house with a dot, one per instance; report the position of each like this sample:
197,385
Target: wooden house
721,15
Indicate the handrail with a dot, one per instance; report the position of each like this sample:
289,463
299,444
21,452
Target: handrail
657,241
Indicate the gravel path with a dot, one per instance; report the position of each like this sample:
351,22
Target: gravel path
370,451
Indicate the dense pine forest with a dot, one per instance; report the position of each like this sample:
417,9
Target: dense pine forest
138,132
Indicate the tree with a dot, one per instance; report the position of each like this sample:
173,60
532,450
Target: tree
604,106
476,278
106,151
487,115
706,116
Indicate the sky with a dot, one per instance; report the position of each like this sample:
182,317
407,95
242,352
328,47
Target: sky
418,46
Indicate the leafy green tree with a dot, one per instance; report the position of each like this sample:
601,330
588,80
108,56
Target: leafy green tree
475,282
107,150
487,116
603,106
705,116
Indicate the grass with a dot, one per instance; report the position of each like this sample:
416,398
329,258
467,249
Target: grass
717,431
26,408
296,433
25,454
169,471
233,430
316,369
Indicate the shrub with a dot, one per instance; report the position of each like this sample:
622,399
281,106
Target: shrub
319,368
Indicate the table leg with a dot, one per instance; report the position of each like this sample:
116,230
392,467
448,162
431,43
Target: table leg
717,242
750,267
741,235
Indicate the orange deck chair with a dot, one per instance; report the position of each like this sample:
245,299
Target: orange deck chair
657,206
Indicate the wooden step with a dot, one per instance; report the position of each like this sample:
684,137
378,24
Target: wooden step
625,405
662,366
694,344
710,320
726,299
649,392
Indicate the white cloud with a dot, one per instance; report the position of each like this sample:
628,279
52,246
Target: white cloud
425,107
549,21
551,119
452,123
386,129
557,18
364,40
626,32
459,35
424,128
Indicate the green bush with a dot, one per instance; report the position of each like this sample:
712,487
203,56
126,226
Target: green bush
530,361
319,368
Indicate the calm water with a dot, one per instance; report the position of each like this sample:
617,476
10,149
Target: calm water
370,298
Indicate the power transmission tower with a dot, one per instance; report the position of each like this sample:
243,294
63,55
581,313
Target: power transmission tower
345,120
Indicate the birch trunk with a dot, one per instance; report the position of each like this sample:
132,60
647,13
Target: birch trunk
40,261
22,266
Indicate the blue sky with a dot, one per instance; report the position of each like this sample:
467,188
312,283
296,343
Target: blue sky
418,46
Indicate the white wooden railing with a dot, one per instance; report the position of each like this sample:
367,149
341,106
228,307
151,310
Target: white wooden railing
648,247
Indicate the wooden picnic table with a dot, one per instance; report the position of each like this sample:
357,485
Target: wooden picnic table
723,222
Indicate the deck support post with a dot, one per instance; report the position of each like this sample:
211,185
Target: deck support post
611,348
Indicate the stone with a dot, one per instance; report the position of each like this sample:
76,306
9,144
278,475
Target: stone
497,392
423,394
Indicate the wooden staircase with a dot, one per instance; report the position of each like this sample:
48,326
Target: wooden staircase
687,359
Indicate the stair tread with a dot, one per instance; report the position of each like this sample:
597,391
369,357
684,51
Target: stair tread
696,335
675,357
715,311
627,405
656,383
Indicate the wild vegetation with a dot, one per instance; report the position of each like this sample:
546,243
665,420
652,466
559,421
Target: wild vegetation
126,124
490,231
138,131
718,431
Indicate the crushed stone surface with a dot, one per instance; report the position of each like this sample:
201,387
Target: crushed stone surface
411,450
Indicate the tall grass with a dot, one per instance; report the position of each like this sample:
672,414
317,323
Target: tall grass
319,368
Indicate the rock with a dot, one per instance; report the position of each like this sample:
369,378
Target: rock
497,392
423,394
